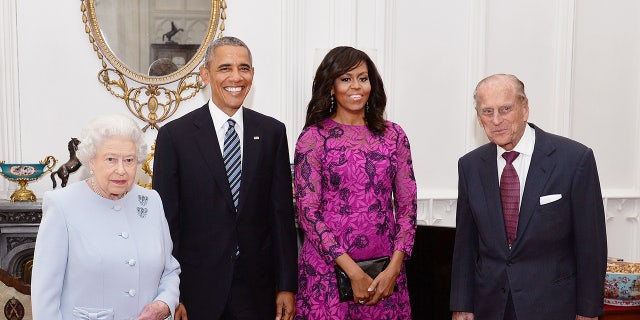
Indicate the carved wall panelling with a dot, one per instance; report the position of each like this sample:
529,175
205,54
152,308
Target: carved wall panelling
476,60
389,75
623,227
10,140
437,212
603,75
622,217
293,86
564,66
423,212
343,27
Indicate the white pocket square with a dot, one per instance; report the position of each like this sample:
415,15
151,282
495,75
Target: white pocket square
550,198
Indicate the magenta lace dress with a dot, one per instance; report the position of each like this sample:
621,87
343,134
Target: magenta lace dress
348,182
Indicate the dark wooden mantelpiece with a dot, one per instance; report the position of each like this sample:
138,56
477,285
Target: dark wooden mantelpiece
19,223
20,212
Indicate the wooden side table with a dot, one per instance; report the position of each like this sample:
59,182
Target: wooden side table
620,313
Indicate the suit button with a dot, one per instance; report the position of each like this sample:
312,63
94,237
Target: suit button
504,290
509,263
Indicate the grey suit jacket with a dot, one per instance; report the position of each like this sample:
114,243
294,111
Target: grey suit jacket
557,264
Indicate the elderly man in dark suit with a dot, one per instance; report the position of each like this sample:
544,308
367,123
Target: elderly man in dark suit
530,230
224,177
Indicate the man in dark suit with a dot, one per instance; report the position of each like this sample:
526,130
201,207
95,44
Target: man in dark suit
545,258
236,242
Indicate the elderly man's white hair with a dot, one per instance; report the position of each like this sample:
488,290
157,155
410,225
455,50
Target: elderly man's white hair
518,85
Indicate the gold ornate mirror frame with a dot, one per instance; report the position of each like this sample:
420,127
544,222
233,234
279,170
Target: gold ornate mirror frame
150,102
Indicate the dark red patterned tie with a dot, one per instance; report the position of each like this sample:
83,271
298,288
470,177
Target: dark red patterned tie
510,196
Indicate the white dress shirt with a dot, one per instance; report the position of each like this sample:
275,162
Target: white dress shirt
523,161
220,123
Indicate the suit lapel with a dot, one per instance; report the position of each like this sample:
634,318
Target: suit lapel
542,164
207,142
252,140
491,189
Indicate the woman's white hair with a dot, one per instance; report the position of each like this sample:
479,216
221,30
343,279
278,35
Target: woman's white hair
104,127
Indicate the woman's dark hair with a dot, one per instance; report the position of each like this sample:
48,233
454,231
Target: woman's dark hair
337,62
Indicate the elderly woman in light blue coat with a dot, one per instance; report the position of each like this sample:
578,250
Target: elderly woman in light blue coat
103,250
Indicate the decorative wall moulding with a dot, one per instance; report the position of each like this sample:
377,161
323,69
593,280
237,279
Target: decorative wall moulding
441,211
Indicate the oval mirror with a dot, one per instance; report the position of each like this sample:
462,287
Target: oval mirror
153,41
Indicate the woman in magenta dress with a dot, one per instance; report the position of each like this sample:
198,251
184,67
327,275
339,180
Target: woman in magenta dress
355,192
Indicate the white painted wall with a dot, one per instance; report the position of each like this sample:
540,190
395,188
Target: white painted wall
579,61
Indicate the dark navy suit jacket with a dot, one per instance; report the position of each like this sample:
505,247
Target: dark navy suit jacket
190,176
557,264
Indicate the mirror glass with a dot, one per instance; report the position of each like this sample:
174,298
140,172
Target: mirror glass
154,41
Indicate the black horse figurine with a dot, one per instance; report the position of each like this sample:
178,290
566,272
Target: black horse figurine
171,33
68,167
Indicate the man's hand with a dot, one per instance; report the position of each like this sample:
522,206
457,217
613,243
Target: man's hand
181,312
285,305
157,310
462,316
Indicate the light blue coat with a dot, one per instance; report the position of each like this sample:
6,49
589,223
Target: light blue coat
102,259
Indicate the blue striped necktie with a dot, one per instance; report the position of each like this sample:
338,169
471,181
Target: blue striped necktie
232,161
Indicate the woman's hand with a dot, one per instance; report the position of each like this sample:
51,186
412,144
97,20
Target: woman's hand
383,285
360,281
157,310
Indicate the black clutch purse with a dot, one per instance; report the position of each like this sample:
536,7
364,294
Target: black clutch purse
372,267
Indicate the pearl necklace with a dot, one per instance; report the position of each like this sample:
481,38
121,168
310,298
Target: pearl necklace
98,191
